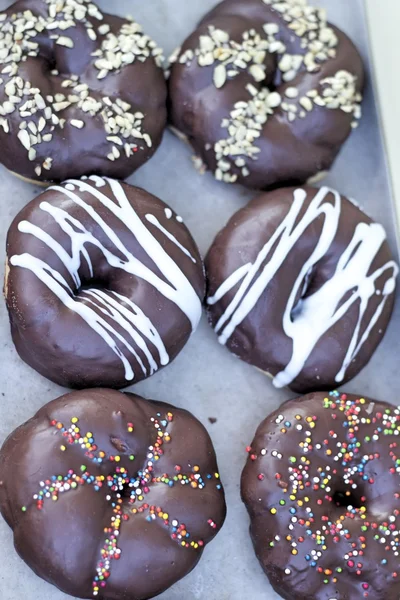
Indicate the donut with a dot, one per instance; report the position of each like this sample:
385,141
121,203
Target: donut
81,92
266,92
110,495
301,285
321,486
104,283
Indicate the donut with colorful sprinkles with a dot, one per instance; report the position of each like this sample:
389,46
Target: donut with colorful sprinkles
110,495
322,488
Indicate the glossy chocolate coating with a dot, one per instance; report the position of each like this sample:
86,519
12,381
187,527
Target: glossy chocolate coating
47,331
322,490
62,540
86,150
290,152
262,338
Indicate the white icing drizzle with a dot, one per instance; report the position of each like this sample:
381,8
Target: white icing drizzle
154,221
111,315
313,316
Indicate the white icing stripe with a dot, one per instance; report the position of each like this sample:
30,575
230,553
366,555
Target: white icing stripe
314,315
57,284
132,316
229,284
154,221
131,321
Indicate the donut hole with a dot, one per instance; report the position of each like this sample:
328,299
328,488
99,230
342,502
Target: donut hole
346,498
92,284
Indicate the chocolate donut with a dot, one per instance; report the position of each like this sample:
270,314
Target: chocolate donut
266,91
110,495
104,283
301,285
81,92
321,486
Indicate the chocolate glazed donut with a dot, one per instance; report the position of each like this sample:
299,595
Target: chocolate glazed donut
321,486
109,495
104,283
266,91
81,92
301,285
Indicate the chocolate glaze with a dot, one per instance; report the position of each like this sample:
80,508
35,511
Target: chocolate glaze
86,150
62,540
290,152
139,273
309,234
321,486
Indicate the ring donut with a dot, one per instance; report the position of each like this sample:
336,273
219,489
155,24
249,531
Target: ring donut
81,92
321,486
104,283
266,91
110,495
301,285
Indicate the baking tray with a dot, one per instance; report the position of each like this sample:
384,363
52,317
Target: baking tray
206,378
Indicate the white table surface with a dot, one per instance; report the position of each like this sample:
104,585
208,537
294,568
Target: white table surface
384,17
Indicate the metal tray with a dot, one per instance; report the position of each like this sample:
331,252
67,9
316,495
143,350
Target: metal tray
206,378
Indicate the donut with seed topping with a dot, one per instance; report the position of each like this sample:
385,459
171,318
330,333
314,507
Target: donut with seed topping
81,92
266,92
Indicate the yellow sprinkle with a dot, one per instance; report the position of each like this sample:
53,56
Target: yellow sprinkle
294,551
74,420
117,458
273,511
63,448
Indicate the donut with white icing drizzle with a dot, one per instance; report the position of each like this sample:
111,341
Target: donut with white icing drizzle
81,92
301,284
266,91
104,283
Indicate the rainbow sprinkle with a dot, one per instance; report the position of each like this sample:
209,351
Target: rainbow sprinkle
126,493
304,481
